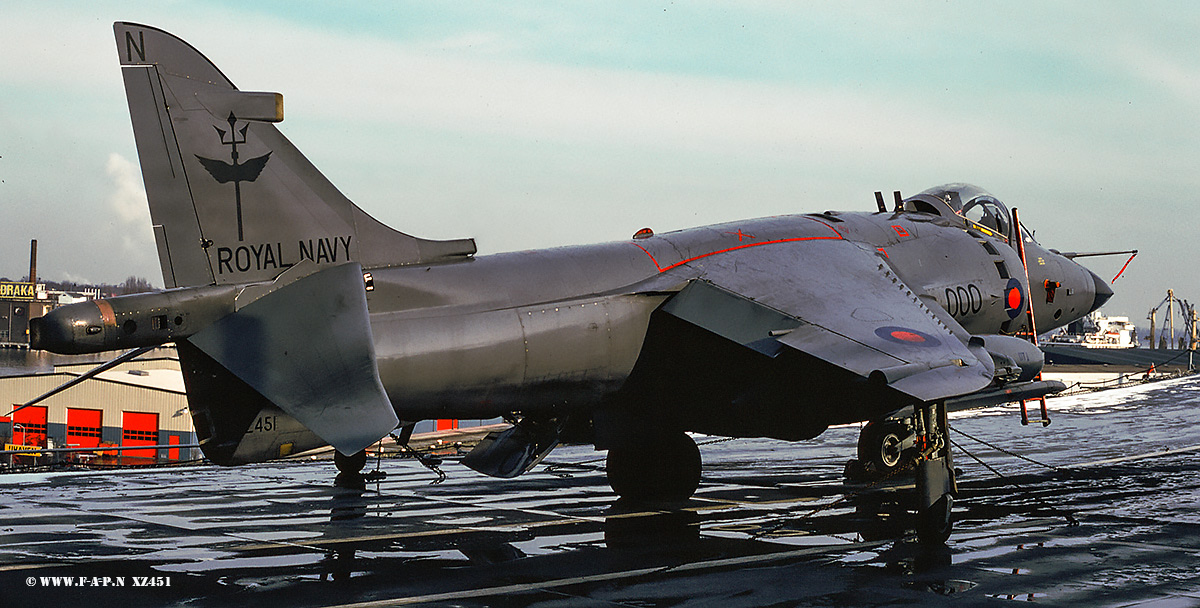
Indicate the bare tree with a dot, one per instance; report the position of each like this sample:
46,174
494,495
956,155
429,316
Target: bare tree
134,285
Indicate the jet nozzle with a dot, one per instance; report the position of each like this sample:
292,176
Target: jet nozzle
1103,291
71,330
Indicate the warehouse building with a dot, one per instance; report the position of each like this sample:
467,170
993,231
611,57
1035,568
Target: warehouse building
139,403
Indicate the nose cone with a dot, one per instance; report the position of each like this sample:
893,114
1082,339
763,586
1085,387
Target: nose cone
1103,291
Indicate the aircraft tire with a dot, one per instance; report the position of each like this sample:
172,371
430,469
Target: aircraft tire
879,447
350,464
934,522
666,468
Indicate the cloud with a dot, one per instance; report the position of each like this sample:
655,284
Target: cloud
1162,69
127,200
431,84
79,279
812,124
490,115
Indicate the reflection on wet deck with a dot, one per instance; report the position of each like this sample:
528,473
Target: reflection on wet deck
772,524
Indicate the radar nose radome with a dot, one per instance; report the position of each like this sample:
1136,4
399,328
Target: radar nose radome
1103,291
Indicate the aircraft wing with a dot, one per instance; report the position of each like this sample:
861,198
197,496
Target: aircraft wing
840,303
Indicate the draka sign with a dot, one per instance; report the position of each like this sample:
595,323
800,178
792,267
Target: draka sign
18,291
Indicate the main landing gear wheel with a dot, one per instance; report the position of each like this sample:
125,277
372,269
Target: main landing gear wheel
665,468
350,464
880,447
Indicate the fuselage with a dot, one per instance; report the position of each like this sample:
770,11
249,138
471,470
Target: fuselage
584,330
563,328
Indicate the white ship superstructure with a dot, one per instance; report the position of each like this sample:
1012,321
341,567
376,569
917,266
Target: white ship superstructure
1098,331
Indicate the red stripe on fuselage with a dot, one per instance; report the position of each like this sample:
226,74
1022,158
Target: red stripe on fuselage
838,236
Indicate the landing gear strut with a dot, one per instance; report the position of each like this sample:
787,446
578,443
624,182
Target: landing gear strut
936,486
664,468
923,439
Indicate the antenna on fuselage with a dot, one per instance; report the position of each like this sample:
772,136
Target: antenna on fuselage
899,201
879,202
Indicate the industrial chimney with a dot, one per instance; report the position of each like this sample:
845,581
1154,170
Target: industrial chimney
33,261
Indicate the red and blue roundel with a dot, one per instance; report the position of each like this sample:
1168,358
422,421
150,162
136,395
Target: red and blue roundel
1014,298
907,336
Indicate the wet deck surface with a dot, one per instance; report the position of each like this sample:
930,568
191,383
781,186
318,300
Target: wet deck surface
772,524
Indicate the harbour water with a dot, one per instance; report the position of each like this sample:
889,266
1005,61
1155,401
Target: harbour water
16,362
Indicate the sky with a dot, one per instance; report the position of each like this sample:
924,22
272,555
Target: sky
536,124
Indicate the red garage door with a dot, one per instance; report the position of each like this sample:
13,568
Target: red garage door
29,426
83,428
139,428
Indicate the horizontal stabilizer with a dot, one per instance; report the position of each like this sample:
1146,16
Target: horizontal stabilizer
307,348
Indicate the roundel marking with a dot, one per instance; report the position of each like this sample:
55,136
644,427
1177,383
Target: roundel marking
907,336
1014,298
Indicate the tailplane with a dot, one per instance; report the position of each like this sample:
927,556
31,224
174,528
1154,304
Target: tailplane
231,199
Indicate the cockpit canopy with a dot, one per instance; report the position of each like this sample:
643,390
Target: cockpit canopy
982,210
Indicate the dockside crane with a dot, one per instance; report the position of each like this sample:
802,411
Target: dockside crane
1188,314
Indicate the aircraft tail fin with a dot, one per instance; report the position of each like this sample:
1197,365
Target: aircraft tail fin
231,199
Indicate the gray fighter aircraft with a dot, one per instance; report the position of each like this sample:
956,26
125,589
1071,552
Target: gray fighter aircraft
302,321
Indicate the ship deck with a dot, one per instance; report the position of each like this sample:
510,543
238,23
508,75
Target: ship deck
772,524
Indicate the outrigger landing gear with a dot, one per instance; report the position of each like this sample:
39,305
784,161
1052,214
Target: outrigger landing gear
936,486
350,464
664,468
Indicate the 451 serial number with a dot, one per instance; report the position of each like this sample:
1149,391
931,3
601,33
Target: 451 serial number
263,424
151,581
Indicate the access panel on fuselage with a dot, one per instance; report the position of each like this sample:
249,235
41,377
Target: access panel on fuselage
587,344
468,365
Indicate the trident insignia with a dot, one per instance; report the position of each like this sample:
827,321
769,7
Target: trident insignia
237,173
